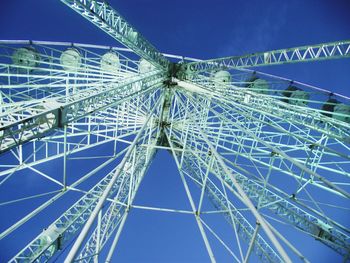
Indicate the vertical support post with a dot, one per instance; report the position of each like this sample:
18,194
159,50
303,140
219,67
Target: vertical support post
98,239
296,251
130,200
116,238
204,184
78,243
1,101
251,244
241,192
65,158
245,198
196,213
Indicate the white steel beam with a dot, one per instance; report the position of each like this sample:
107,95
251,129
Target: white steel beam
101,14
333,50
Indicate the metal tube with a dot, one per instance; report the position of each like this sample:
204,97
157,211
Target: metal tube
251,244
278,234
116,238
98,207
50,201
246,199
65,158
244,196
196,214
121,226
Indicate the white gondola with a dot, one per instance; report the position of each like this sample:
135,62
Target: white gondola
296,96
342,112
145,66
110,62
259,86
222,78
26,57
70,59
51,238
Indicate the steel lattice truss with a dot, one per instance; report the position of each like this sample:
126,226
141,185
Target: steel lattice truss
264,151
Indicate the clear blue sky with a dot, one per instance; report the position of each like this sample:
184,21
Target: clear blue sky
201,29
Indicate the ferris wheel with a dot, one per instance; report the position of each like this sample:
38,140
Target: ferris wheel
256,153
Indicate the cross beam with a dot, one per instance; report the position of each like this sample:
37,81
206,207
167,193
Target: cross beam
85,103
